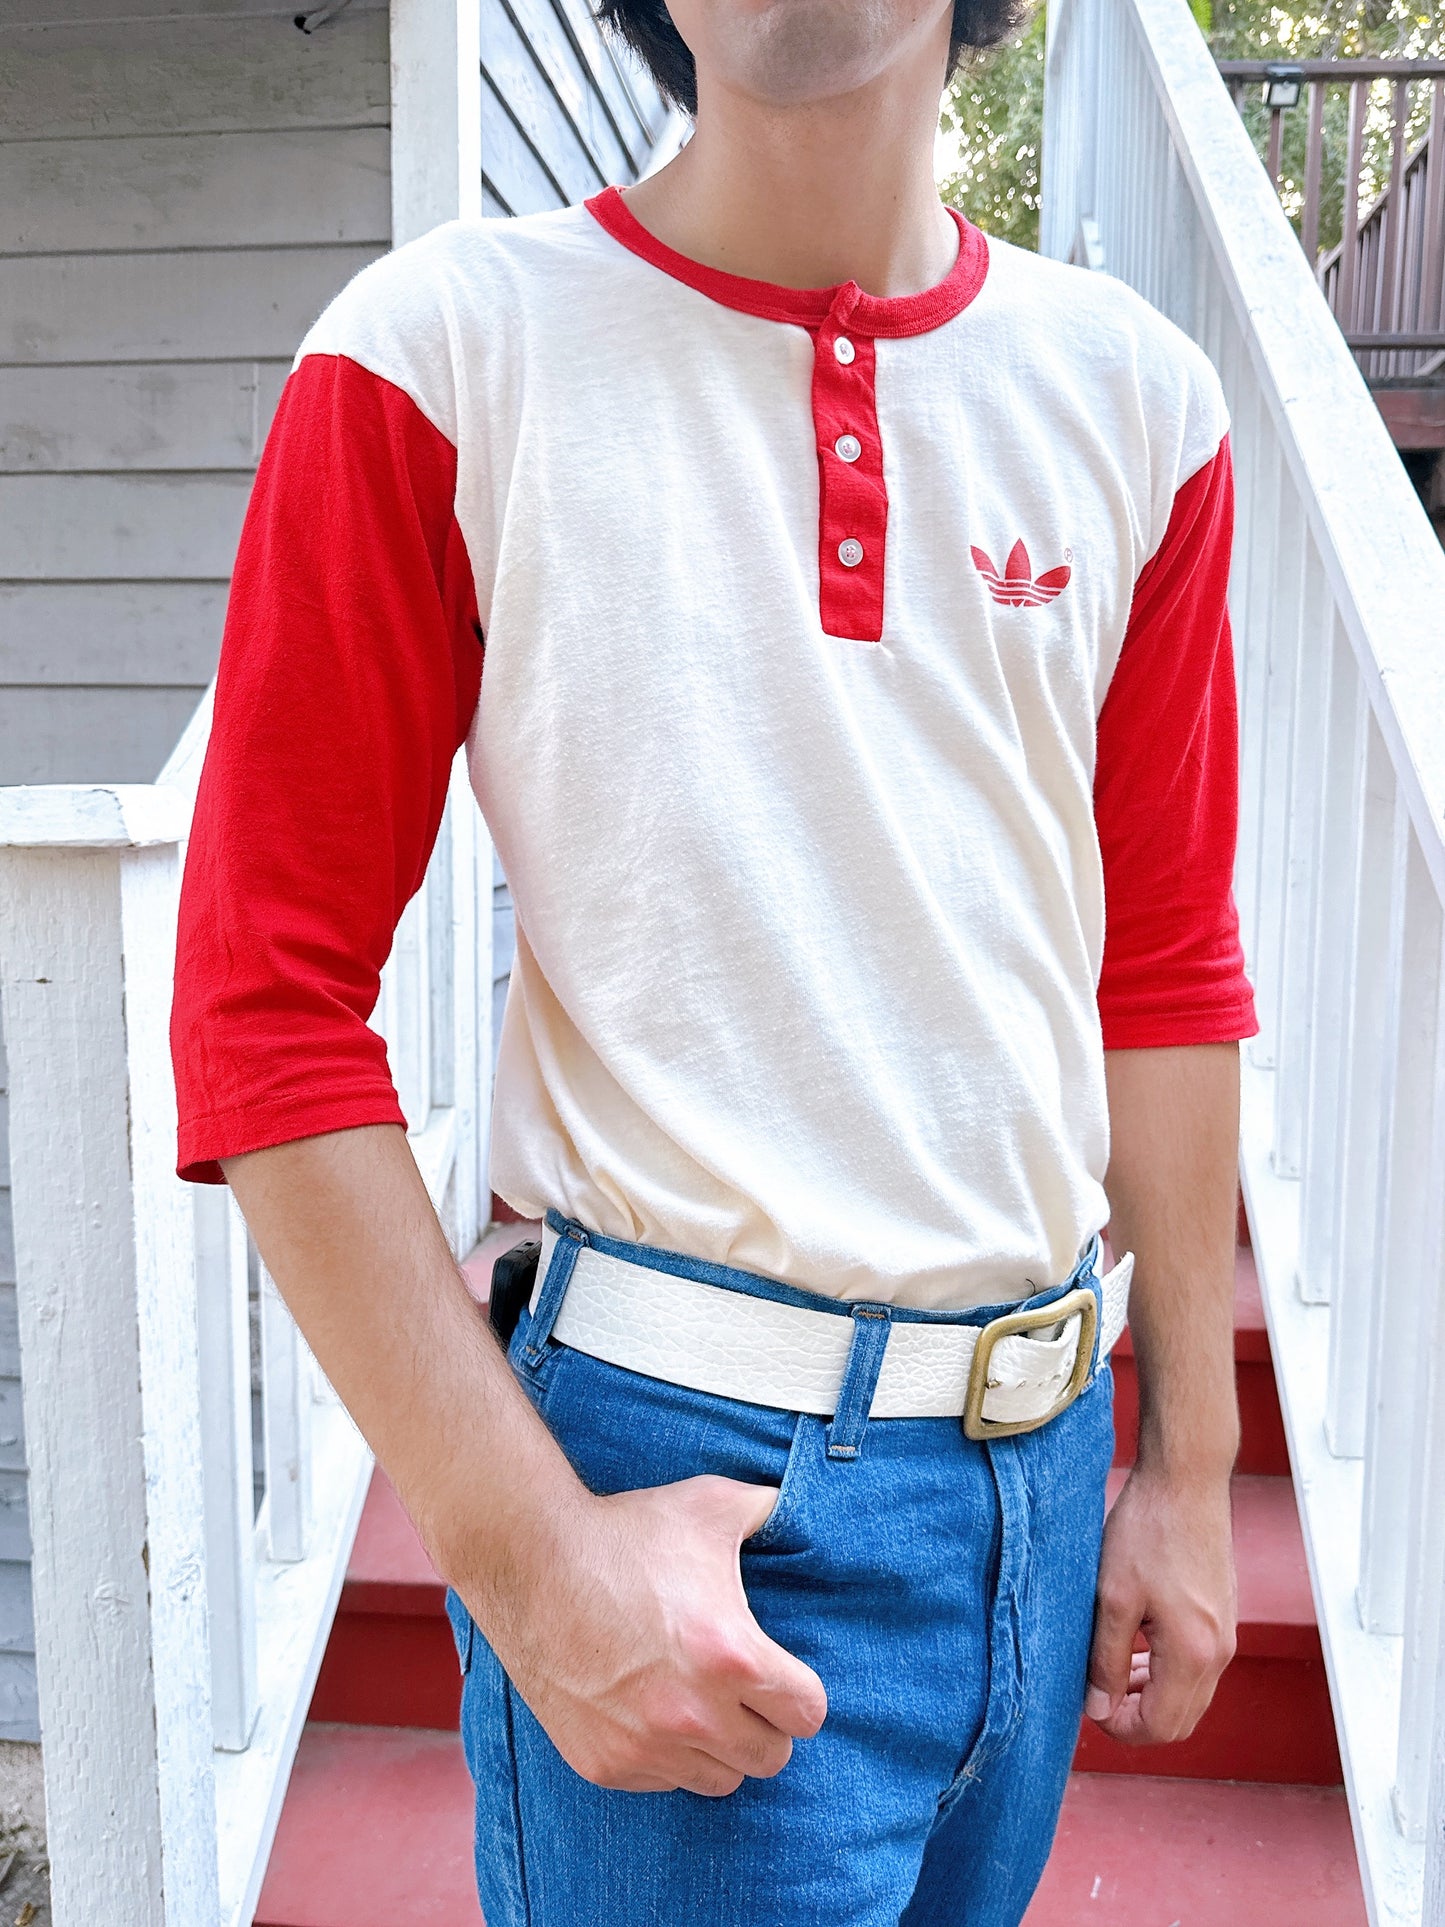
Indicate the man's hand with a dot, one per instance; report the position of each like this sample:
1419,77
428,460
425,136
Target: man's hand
622,1621
1167,1572
634,1645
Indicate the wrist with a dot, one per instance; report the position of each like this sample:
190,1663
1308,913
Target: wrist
499,1538
1193,1466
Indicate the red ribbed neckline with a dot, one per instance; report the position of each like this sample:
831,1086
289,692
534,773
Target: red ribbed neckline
868,314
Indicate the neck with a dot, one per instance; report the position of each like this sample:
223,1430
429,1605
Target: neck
812,195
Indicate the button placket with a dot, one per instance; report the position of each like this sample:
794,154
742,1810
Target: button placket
853,501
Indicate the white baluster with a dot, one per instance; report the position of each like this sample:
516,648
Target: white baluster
1360,1107
1321,1221
1403,1301
224,1330
1282,610
285,1426
1422,1694
1300,875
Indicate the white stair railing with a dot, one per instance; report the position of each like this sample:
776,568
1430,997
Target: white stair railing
1338,603
179,1627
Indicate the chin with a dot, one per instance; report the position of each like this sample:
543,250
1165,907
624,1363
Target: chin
789,52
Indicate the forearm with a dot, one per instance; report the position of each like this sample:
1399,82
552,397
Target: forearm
347,1230
621,1620
1172,1188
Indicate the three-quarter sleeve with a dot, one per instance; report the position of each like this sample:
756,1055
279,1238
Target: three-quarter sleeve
349,675
1166,791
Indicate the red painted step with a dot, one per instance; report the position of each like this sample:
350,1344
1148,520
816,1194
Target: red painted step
1198,1853
376,1832
390,1660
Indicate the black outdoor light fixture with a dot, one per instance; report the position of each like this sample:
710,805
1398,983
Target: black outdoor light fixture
1282,85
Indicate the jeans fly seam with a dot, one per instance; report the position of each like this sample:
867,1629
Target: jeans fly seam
517,1803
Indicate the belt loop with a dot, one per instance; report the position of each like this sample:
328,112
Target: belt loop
871,1326
1088,1276
570,1240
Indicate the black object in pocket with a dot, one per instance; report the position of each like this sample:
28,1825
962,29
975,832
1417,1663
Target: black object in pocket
513,1276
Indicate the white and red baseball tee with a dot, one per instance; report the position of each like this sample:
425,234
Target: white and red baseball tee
846,681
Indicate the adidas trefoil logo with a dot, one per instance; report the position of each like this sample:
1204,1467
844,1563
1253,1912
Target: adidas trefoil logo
1018,587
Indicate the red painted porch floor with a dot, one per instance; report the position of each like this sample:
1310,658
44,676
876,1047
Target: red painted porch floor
377,1832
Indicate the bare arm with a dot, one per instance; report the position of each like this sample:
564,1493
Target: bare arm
621,1621
1167,1567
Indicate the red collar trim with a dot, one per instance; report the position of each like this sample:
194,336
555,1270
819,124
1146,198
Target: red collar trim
868,314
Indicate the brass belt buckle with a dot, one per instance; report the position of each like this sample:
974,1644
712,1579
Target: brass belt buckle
1082,1301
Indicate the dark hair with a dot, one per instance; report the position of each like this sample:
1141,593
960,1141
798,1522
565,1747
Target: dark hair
647,28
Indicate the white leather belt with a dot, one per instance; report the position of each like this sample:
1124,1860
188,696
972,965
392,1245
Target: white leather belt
763,1352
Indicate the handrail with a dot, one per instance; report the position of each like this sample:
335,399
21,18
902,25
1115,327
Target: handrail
1363,68
1384,278
1336,594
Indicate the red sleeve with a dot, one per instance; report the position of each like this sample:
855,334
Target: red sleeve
1166,792
349,673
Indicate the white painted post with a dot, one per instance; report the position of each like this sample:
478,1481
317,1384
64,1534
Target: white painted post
223,1319
106,1296
436,114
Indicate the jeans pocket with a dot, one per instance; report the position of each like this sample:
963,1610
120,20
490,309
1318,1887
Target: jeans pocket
777,1528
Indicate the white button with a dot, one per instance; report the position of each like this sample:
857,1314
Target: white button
844,349
850,553
848,447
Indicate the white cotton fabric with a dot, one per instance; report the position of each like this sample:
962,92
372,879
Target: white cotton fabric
808,930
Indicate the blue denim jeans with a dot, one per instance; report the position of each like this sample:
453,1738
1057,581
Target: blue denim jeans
941,1588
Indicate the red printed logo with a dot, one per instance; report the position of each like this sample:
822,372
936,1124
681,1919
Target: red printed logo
1018,587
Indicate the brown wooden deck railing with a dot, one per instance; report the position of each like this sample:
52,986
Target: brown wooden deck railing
1385,276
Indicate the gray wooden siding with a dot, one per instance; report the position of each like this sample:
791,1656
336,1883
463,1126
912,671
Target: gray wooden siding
179,198
563,114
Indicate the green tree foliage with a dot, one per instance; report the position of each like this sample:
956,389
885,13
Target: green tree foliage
990,133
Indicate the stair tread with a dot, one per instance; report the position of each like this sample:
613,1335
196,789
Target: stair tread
1145,1852
376,1829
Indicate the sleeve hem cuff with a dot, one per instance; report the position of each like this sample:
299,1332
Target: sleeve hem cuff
1164,1030
224,1134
